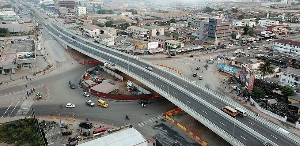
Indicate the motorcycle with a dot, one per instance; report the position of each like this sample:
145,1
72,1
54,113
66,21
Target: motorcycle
127,117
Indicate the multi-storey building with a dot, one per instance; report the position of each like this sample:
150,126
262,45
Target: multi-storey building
218,30
91,30
287,47
290,77
279,29
67,4
244,22
203,30
267,22
80,10
154,30
195,20
138,32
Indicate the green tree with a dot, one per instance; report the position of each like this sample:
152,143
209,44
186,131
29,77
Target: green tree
124,26
100,24
234,10
132,11
208,10
105,12
109,23
4,32
240,17
258,93
287,91
266,68
220,9
147,24
172,21
7,6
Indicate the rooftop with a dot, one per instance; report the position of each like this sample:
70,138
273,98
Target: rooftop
91,27
290,42
295,97
125,137
150,27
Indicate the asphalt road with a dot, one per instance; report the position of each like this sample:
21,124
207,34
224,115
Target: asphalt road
227,125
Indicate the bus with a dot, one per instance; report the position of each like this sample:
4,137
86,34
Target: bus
241,112
230,111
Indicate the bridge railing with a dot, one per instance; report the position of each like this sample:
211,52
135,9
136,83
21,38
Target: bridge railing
250,113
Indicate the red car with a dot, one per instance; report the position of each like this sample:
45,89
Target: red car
99,130
169,56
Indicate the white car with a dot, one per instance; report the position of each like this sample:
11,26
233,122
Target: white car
149,68
86,94
70,105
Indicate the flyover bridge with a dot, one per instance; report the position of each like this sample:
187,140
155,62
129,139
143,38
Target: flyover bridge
201,103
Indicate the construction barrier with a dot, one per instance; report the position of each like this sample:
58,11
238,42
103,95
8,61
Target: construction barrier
170,68
178,110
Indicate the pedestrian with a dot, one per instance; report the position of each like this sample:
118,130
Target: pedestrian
25,86
26,96
33,89
22,112
27,93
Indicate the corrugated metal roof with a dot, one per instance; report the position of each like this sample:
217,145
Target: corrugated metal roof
125,137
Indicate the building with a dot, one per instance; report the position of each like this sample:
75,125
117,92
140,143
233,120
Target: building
108,30
91,30
161,40
244,22
179,24
287,47
267,22
126,14
79,11
154,30
138,32
195,20
128,137
290,77
279,29
106,39
173,45
67,4
218,30
203,33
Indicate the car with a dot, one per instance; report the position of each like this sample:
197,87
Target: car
149,68
70,105
191,55
73,37
102,103
144,101
169,56
99,130
59,36
86,125
194,74
86,94
90,103
200,77
197,68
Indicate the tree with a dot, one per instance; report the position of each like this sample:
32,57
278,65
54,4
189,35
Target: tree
4,32
258,93
287,91
172,21
241,17
234,10
100,24
109,23
132,11
147,24
266,68
208,10
220,9
124,26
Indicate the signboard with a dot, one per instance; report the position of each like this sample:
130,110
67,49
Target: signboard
247,78
152,45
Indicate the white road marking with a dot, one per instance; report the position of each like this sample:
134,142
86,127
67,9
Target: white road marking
274,137
14,108
6,110
243,137
222,123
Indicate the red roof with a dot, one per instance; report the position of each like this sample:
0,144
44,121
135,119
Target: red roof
290,42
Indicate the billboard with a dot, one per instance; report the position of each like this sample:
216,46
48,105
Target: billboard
152,45
247,78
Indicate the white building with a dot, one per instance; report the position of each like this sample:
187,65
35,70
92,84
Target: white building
79,11
290,77
91,30
267,22
46,1
179,24
154,30
244,22
287,47
138,32
126,14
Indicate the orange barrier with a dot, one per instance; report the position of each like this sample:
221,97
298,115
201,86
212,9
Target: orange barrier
170,68
178,110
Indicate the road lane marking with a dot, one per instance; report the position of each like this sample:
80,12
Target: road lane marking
251,123
6,110
243,137
222,123
274,137
204,112
14,108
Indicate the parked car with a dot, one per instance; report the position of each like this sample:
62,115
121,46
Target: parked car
169,56
99,130
198,67
90,103
191,55
86,125
144,101
149,68
86,94
70,105
72,85
200,77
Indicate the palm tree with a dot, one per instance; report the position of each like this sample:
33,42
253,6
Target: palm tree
266,68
